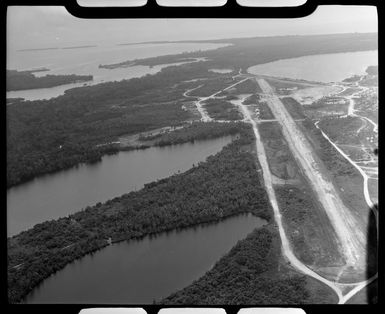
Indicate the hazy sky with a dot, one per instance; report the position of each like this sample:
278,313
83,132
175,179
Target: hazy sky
116,3
41,27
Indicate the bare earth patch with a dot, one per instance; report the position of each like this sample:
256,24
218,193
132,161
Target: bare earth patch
307,96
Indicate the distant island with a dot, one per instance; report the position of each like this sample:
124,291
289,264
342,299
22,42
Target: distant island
129,63
42,69
38,49
56,48
112,66
22,80
79,47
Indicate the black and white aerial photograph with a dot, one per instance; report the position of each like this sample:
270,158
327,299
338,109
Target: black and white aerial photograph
191,161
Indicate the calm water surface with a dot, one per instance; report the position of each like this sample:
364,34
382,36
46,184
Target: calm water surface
322,68
144,270
86,61
65,192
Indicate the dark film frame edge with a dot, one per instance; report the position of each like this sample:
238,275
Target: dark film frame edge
151,10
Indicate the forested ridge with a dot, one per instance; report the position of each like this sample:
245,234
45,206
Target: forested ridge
22,80
221,109
225,184
194,131
44,136
252,273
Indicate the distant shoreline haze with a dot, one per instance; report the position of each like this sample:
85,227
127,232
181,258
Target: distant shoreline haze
54,27
229,41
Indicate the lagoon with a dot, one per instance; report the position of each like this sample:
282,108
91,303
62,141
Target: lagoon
86,61
144,270
60,194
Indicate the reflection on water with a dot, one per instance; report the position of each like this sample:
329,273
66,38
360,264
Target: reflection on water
332,67
59,194
140,271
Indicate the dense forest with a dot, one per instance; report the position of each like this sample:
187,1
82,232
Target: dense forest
214,85
220,109
21,80
225,184
194,131
50,135
252,273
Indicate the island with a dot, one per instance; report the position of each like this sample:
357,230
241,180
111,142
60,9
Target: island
23,80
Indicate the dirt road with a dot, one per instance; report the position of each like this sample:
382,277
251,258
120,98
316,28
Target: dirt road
362,172
198,104
351,234
344,291
268,182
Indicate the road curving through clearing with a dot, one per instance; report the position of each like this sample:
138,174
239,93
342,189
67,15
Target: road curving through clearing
338,288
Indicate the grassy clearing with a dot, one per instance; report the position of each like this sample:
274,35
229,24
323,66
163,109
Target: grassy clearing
346,178
306,223
285,87
308,227
293,107
213,85
193,132
323,108
257,102
220,109
343,130
281,162
247,87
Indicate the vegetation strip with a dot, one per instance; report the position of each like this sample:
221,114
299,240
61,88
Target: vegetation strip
23,80
226,184
253,273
